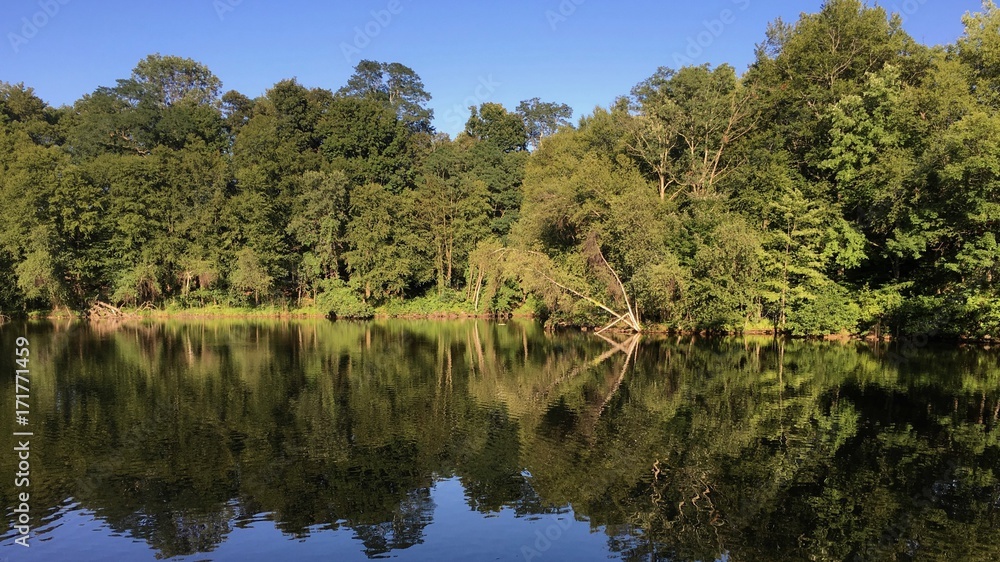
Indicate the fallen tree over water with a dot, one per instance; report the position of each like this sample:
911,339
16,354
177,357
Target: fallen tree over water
535,272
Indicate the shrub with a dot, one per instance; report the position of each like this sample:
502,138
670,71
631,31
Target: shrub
340,301
830,311
928,316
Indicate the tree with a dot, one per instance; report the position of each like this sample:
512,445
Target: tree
37,278
137,285
317,224
804,67
368,142
395,85
168,101
849,166
491,123
498,159
197,271
451,208
169,80
249,274
979,51
686,125
381,257
237,109
541,119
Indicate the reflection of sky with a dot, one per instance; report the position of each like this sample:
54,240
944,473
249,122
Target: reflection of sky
455,533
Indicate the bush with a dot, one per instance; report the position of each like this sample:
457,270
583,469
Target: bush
982,316
531,307
928,316
878,307
830,311
136,286
340,301
449,302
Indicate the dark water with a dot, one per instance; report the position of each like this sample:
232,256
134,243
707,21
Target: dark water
481,441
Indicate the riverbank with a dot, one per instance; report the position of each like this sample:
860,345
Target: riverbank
413,309
431,309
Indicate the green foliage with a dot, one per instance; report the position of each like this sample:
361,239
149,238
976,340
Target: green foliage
338,300
929,316
979,50
249,275
317,225
444,304
686,125
136,286
451,210
171,80
982,316
541,119
877,308
493,124
37,278
395,85
828,309
848,181
381,256
366,140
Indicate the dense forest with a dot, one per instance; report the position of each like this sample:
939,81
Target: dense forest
848,181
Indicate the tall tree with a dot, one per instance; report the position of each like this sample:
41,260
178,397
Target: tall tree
366,140
451,208
383,255
686,125
804,67
541,119
168,80
396,85
493,124
979,50
317,224
498,157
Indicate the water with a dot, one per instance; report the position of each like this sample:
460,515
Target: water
313,440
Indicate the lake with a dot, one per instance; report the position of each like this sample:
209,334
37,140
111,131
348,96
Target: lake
472,440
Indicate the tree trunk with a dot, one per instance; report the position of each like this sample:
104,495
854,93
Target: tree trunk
479,286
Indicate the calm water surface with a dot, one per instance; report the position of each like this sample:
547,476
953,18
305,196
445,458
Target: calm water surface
414,440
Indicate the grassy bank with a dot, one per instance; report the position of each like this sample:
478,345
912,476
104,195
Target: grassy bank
421,307
433,307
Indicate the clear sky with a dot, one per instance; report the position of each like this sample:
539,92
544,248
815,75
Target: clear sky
580,52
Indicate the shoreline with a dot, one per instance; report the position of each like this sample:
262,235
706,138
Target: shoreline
210,313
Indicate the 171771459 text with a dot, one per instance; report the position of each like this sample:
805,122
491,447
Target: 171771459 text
22,438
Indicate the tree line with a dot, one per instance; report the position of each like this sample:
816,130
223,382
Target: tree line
848,181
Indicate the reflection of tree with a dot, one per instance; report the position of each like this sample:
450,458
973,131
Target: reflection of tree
769,454
680,448
178,533
404,530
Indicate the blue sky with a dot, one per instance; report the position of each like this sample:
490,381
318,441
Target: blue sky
580,52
